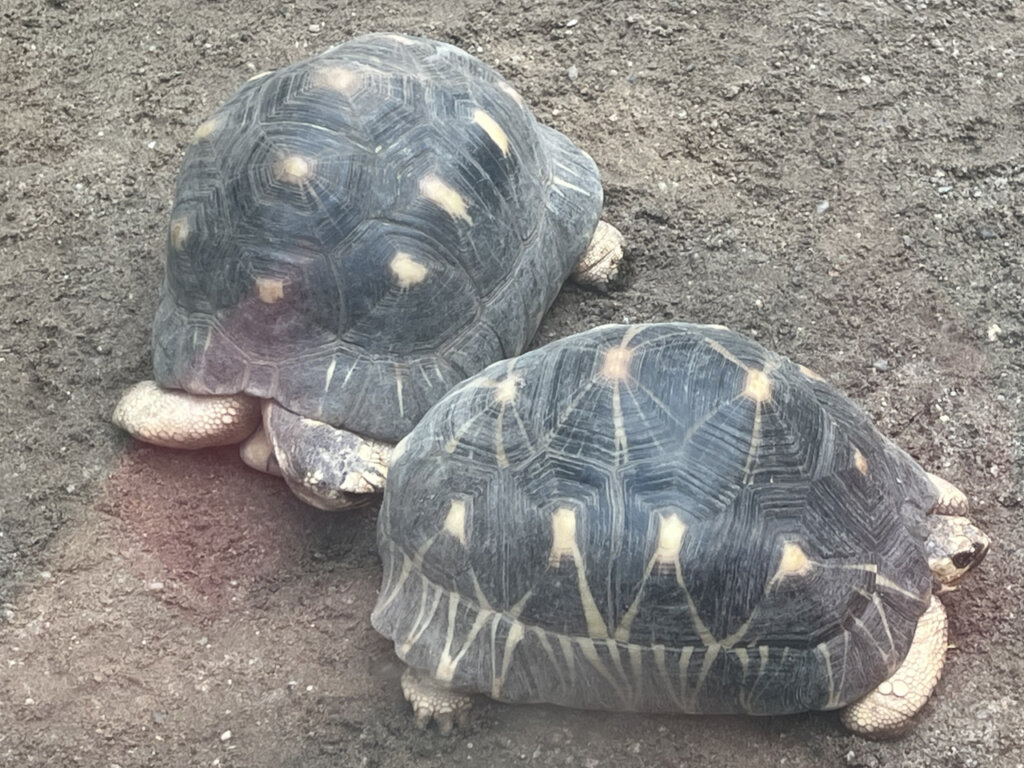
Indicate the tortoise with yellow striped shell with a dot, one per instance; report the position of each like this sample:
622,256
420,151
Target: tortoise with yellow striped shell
665,518
353,235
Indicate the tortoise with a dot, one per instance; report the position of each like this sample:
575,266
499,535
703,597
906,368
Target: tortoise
665,517
351,236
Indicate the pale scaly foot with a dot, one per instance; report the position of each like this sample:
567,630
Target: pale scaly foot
600,264
432,700
889,709
952,501
175,419
257,452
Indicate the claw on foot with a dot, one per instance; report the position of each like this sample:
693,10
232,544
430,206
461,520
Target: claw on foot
431,700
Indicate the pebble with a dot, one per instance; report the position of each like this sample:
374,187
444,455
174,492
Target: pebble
881,365
573,72
821,207
226,736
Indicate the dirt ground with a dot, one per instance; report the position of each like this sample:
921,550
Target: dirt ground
841,180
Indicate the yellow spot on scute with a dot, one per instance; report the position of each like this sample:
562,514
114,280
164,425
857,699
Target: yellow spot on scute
615,366
671,531
270,290
339,79
407,271
794,561
563,539
860,462
505,390
293,169
206,129
758,386
455,521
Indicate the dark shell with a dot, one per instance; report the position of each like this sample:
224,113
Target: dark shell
662,517
354,234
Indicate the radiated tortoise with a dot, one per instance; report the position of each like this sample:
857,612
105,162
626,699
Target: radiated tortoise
660,518
352,235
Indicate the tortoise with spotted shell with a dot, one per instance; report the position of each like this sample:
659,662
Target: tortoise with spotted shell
352,235
666,518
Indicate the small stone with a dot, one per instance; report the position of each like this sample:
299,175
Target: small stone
987,233
572,23
881,365
993,332
314,28
226,736
821,207
573,72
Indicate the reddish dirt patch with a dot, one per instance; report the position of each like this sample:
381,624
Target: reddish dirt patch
206,528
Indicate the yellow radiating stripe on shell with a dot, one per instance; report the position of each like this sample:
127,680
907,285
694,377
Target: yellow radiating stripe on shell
492,129
445,197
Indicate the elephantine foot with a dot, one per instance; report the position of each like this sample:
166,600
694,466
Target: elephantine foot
175,419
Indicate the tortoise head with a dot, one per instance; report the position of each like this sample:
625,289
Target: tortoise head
954,545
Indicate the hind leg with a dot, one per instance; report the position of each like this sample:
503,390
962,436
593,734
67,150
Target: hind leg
889,709
173,418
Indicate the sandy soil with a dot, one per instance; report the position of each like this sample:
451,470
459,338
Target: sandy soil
842,180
